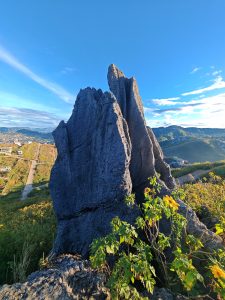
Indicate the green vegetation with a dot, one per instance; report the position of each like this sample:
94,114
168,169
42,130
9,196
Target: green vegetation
27,228
17,177
194,151
47,154
29,150
192,144
42,174
209,193
212,166
27,232
141,257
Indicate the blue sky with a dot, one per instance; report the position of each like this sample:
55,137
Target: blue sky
49,49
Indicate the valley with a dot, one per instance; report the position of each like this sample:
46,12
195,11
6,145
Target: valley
20,172
192,144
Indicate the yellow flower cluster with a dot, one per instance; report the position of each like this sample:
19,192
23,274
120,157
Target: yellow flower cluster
170,202
147,190
217,272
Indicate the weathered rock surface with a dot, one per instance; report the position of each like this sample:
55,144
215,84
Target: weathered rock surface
91,175
105,151
146,155
68,278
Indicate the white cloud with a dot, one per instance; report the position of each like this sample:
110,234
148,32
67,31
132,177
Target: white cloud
196,69
67,70
166,101
56,89
215,73
24,117
205,112
219,83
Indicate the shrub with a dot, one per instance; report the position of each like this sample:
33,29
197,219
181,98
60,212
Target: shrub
139,255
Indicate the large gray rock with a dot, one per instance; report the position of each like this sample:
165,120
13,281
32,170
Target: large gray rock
91,175
68,277
146,156
105,152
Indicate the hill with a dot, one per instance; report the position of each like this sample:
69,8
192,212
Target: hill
14,168
192,144
21,134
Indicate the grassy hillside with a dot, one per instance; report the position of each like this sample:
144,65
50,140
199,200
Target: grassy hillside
27,228
194,151
27,231
192,144
216,167
15,179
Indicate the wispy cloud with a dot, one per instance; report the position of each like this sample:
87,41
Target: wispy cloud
56,89
219,83
166,101
68,70
24,117
216,73
196,69
205,112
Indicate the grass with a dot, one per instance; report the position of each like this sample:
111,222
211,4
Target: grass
27,228
27,231
29,150
42,174
47,154
209,194
194,151
17,177
198,166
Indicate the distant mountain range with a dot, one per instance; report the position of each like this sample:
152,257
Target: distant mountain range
192,144
36,133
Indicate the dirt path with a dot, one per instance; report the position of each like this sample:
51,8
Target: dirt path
29,184
192,176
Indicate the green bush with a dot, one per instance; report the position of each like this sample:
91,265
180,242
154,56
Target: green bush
142,255
27,231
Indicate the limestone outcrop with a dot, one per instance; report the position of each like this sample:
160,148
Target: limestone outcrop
68,277
146,155
105,151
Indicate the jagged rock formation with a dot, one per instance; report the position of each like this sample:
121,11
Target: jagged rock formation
146,155
67,278
105,151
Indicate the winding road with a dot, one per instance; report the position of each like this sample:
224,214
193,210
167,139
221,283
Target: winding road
29,184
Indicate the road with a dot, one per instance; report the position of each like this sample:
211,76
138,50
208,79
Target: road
29,184
192,176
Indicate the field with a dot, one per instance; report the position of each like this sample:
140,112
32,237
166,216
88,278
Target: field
217,167
27,228
15,179
194,151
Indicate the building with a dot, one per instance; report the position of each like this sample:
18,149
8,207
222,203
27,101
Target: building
16,142
5,169
5,150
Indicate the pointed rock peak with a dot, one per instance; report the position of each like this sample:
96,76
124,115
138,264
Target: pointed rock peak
114,72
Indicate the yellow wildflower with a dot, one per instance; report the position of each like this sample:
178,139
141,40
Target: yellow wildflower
170,202
1,225
217,272
147,190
